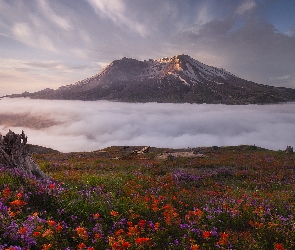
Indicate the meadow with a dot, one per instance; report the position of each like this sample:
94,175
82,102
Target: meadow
232,198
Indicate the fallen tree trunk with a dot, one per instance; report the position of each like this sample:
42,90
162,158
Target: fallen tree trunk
13,154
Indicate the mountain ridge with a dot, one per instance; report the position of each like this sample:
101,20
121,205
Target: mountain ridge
177,79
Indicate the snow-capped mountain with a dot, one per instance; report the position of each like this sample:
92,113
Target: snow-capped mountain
177,79
179,68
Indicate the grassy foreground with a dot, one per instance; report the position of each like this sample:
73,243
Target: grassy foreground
233,198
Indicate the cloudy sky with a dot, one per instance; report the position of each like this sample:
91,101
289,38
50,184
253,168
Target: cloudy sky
52,43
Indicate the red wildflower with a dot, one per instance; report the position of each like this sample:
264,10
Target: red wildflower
97,236
223,239
23,230
46,246
224,235
141,241
157,226
206,234
195,247
197,212
96,216
132,231
11,213
17,203
6,192
120,231
48,233
114,213
36,234
19,195
81,246
141,223
167,207
155,207
279,247
125,245
193,215
81,231
116,246
51,223
35,214
59,227
10,248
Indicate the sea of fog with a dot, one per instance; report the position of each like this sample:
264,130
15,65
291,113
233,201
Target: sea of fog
70,126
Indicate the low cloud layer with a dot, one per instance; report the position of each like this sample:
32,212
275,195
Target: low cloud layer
87,126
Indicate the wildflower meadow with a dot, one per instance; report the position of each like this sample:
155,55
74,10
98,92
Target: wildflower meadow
231,198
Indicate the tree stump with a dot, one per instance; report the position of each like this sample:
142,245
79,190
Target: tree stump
13,154
289,150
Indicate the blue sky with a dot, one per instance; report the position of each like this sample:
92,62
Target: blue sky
58,42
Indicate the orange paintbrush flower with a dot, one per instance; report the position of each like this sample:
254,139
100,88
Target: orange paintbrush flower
114,213
23,230
59,227
46,246
36,234
141,241
81,231
96,216
195,247
6,192
81,246
51,223
126,245
17,203
278,247
47,234
206,234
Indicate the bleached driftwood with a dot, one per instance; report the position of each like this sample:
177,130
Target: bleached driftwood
142,151
13,154
289,150
184,154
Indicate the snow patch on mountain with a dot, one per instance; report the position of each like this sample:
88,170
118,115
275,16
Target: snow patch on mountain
205,69
190,72
155,68
184,81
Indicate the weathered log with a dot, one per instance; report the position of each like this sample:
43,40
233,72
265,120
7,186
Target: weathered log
13,154
289,150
